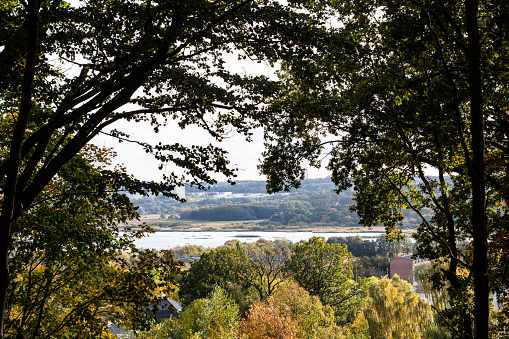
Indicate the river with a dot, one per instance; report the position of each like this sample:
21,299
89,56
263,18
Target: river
167,240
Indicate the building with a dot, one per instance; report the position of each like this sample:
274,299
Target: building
165,308
404,267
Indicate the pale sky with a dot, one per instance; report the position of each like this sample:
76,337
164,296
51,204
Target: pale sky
143,166
242,153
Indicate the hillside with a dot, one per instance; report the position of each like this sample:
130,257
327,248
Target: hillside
314,204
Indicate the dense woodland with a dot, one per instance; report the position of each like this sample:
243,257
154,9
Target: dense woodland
404,102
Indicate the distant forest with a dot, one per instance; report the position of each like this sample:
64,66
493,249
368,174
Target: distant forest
314,203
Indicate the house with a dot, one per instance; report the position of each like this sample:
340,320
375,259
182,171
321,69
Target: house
165,308
404,266
119,331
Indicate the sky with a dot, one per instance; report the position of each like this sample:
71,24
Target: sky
244,155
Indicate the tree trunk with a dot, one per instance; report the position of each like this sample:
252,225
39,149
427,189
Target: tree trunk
10,189
479,232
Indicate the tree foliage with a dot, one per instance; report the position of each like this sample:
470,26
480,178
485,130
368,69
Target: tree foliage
325,271
238,269
265,320
400,88
451,304
214,317
321,268
214,268
162,330
395,311
360,247
69,272
265,269
71,72
313,318
229,213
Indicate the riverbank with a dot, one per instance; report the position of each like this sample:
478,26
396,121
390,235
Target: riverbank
181,225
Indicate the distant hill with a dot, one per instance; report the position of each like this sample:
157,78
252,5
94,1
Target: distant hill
314,203
258,186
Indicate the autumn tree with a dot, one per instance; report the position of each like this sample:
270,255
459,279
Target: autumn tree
219,267
265,320
214,317
264,269
395,311
239,269
70,271
313,318
162,330
70,72
408,100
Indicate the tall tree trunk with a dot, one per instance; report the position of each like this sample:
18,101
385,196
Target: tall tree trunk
479,232
10,189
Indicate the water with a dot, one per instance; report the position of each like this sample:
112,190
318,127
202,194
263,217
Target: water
167,240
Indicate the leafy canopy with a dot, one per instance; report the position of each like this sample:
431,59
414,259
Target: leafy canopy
407,100
72,71
69,266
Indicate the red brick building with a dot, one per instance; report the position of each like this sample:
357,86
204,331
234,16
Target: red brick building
403,266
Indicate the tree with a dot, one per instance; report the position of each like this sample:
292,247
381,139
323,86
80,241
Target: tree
320,268
214,268
325,271
313,318
266,320
69,272
357,330
395,311
365,267
162,330
447,302
264,269
357,246
237,268
159,62
400,88
73,295
214,317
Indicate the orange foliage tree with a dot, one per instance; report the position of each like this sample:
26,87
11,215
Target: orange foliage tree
266,320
